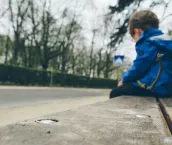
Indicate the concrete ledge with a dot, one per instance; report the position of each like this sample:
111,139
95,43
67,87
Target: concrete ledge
121,121
166,106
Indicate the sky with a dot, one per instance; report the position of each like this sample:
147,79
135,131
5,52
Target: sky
100,7
91,9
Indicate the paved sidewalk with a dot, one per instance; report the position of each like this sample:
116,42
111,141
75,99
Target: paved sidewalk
121,121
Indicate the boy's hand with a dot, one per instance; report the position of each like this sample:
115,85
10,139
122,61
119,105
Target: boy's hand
120,84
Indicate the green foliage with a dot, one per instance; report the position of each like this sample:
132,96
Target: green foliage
5,43
27,76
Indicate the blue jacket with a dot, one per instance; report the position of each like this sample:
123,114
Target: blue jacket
147,67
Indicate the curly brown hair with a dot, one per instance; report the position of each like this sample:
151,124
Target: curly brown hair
143,20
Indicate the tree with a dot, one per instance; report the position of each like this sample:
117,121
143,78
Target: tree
18,13
125,8
91,56
5,46
45,34
70,33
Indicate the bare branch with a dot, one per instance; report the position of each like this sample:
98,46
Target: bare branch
165,18
165,7
11,14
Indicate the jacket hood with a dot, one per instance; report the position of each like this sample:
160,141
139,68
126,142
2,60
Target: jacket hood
163,41
157,37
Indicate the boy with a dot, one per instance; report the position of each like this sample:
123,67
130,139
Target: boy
151,73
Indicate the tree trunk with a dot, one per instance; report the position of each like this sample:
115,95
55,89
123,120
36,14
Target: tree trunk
16,49
64,60
45,65
7,49
106,75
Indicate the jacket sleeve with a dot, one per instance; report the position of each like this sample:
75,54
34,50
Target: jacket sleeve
146,55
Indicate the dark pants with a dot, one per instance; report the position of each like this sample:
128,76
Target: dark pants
131,90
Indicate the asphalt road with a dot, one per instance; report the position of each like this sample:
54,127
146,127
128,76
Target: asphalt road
21,96
23,103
